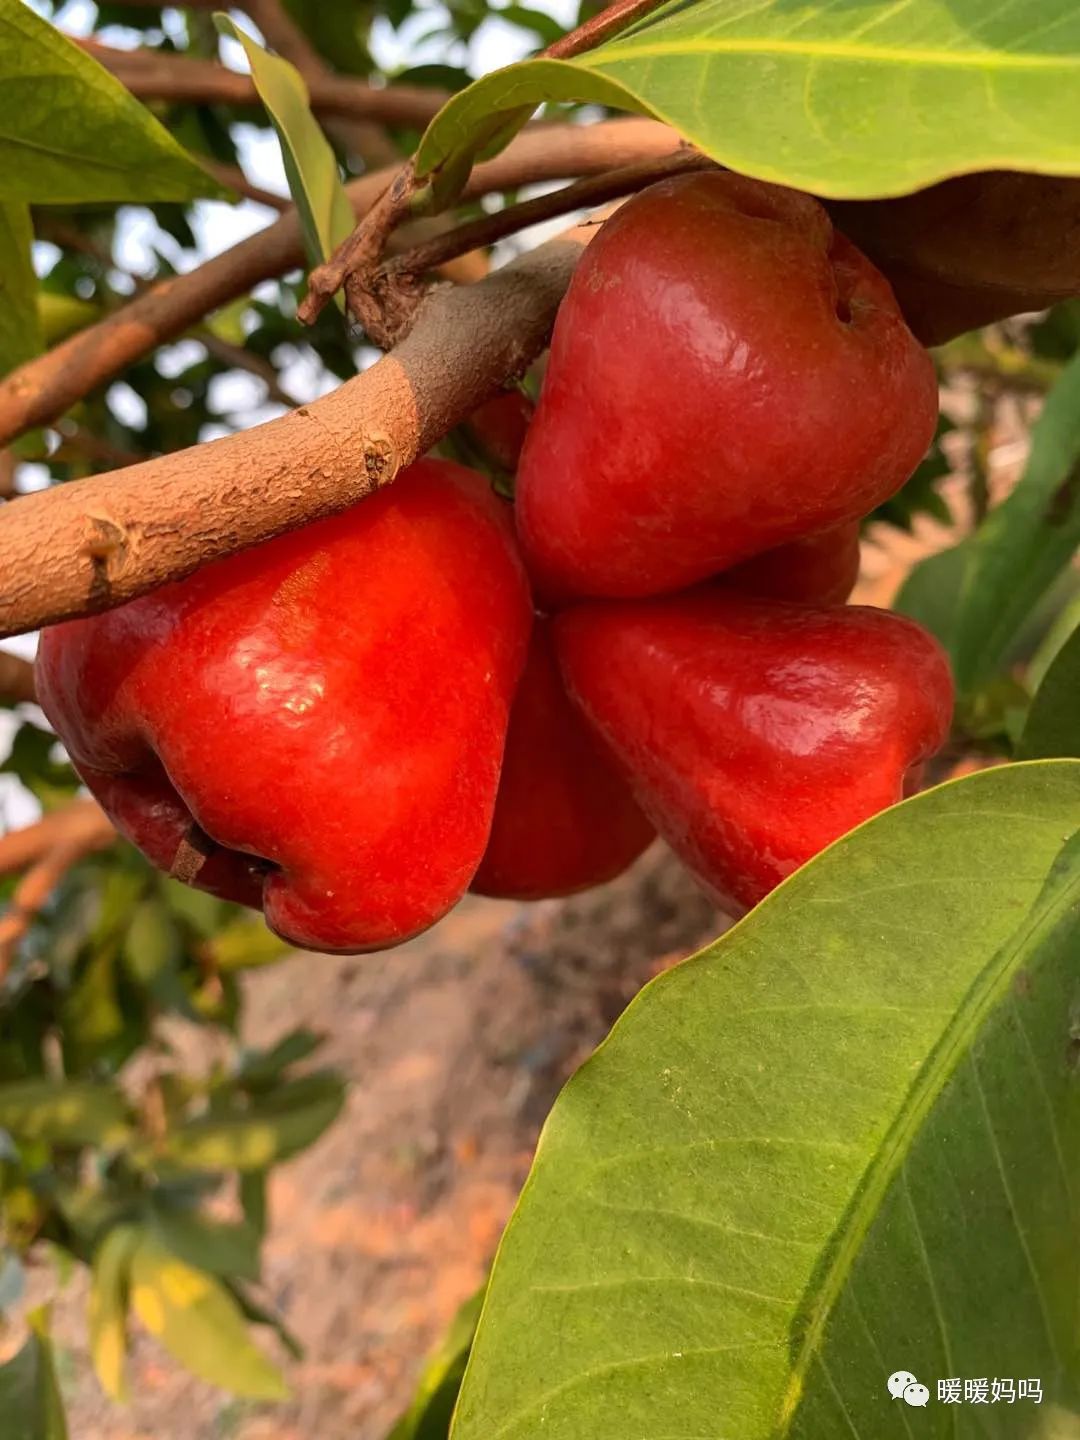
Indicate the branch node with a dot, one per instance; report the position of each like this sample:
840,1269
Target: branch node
105,540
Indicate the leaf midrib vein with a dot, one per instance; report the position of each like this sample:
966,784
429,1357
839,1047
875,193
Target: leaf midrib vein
984,994
830,50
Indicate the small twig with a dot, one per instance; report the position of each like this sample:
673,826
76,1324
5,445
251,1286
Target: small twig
601,27
240,359
354,263
86,445
581,195
360,250
31,893
83,822
46,852
235,179
16,678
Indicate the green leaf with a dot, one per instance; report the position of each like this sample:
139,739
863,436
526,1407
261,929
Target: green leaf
30,1401
72,133
855,100
199,1323
842,1141
1053,722
259,1314
62,315
108,1308
931,593
311,169
252,1190
245,944
218,1246
543,26
30,759
428,1417
75,1112
338,31
153,951
20,324
259,1069
272,1128
1022,546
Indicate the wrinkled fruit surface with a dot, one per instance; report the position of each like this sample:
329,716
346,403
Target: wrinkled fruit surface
564,818
330,709
727,373
755,732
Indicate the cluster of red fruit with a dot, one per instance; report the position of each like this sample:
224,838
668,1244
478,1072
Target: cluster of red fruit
362,719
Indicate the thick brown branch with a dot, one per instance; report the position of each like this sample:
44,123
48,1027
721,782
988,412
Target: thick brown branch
151,75
16,678
41,390
95,543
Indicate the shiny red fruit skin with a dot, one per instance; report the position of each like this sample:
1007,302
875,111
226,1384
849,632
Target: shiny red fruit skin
727,373
501,424
334,702
755,732
564,817
818,570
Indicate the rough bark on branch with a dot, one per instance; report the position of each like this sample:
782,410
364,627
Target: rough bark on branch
41,390
95,543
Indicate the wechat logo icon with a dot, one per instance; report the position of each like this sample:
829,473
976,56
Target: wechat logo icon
904,1386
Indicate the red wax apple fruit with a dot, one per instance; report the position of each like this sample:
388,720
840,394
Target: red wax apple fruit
564,817
818,570
329,708
727,373
500,426
755,732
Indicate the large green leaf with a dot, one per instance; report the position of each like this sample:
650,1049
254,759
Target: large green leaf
20,323
70,132
1053,722
199,1323
76,1112
860,98
30,1403
326,216
428,1416
841,1142
994,580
